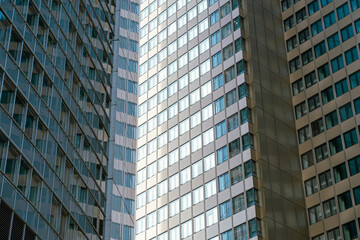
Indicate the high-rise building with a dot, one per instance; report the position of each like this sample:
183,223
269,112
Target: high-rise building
322,41
217,151
123,124
55,66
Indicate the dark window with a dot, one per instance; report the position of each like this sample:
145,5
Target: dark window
354,79
231,97
300,110
289,23
317,127
325,179
320,49
313,7
345,201
323,71
233,122
343,11
294,64
341,87
243,91
311,186
330,208
234,148
346,112
307,159
357,105
314,102
351,55
325,2
350,231
301,15
331,119
329,19
315,214
225,210
335,145
291,43
347,32
350,138
327,95
316,27
297,86
285,4
333,41
354,165
304,35
220,129
310,79
337,63
307,57
340,172
321,152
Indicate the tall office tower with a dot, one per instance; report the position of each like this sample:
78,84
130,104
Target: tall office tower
55,66
121,175
322,40
217,149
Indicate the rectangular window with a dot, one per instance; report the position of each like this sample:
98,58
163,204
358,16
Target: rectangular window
341,87
304,134
335,145
340,172
307,159
347,32
304,35
300,110
223,181
310,79
350,138
323,71
331,119
329,19
289,23
345,201
349,230
317,127
311,186
351,55
334,234
286,4
356,192
314,102
238,203
325,179
222,155
354,165
236,175
229,74
219,105
320,49
333,41
225,9
337,63
215,38
218,81
307,57
354,79
297,87
234,148
327,95
216,59
226,30
343,11
291,43
346,112
313,7
321,152
315,214
231,98
301,15
214,17
316,27
294,64
233,122
225,210
220,129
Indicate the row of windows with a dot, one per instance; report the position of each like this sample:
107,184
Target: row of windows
208,218
337,63
227,52
331,120
327,95
189,227
127,85
332,41
313,6
226,209
329,19
330,208
349,232
125,129
126,43
224,181
196,118
120,232
340,173
124,205
130,6
124,153
128,24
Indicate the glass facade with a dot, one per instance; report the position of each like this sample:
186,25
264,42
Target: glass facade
56,60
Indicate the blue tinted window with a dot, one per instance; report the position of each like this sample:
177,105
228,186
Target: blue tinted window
329,19
343,11
223,181
320,49
354,79
215,38
316,27
220,129
333,41
214,17
313,7
341,87
337,63
222,155
351,55
347,32
218,81
216,59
